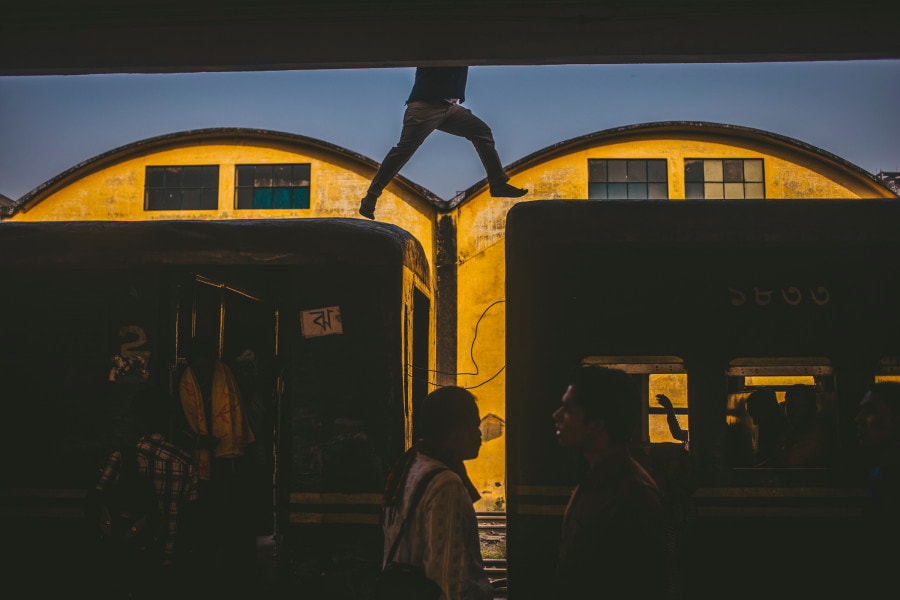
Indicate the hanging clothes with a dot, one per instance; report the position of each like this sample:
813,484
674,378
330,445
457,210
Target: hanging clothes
228,422
192,404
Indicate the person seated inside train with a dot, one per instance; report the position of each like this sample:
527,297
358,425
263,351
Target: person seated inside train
807,439
613,539
768,416
441,536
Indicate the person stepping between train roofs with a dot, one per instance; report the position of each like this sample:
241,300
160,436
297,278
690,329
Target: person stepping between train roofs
435,103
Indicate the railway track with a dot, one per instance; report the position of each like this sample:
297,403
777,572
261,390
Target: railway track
492,534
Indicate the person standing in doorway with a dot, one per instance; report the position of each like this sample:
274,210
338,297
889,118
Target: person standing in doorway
435,103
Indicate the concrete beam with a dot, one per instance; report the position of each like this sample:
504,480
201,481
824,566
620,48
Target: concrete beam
100,36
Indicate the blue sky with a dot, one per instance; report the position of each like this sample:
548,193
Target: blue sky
48,124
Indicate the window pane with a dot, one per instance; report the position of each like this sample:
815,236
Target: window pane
245,198
637,171
173,177
300,175
658,191
734,190
192,177
734,170
156,177
659,429
693,191
245,176
713,191
618,191
281,197
656,171
191,198
754,190
173,199
637,191
301,197
597,191
760,432
674,387
211,176
263,176
693,170
712,170
210,199
282,175
156,199
753,170
596,171
617,171
262,197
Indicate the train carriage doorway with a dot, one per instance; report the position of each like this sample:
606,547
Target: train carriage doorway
225,344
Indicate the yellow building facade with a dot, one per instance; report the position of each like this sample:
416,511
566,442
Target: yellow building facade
114,186
463,238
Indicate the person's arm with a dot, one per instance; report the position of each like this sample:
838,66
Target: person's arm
672,419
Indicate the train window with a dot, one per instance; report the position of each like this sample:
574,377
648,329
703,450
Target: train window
628,179
271,186
724,178
194,187
662,381
780,413
888,369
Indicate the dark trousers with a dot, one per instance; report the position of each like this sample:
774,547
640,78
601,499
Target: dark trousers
420,119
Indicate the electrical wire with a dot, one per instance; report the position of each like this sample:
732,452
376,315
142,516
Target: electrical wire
471,357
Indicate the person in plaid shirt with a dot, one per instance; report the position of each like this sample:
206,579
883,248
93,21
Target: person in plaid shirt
171,469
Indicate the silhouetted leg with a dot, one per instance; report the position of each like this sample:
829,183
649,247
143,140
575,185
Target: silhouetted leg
419,120
460,121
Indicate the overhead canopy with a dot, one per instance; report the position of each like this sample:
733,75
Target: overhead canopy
121,244
96,36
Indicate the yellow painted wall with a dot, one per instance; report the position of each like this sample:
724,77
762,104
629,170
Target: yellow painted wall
116,191
790,172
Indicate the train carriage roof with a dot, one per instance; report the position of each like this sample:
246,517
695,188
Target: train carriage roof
118,244
586,222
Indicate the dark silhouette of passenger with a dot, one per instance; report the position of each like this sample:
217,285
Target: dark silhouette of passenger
435,103
174,486
878,429
807,438
767,415
672,419
613,539
441,536
670,466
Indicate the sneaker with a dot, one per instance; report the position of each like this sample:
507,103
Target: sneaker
505,190
367,207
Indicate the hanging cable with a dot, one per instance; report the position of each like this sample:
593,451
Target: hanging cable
471,357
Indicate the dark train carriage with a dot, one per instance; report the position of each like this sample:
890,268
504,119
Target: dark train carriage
719,306
316,320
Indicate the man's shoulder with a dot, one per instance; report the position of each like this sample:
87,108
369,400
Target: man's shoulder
446,481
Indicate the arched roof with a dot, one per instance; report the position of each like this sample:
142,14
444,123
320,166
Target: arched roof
692,127
224,134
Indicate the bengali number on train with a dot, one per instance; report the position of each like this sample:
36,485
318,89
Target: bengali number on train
791,296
